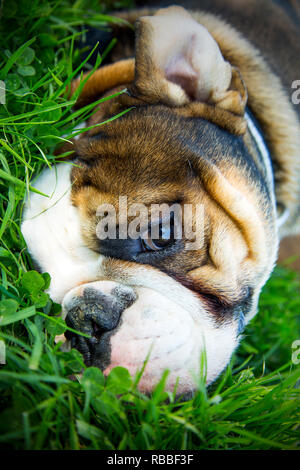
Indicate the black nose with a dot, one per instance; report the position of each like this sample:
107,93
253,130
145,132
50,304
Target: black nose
95,313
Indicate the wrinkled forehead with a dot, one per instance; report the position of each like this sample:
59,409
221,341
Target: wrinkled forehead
151,148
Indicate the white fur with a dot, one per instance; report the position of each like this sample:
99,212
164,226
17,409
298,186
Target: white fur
52,233
159,327
166,318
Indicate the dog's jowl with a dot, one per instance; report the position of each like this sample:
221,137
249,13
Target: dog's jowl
159,240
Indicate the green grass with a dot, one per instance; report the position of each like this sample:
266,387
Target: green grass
44,402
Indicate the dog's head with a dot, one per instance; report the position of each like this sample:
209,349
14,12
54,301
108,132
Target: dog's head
185,277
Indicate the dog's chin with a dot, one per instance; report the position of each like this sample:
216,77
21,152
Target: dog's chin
156,334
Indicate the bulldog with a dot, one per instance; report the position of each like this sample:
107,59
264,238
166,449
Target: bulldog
209,137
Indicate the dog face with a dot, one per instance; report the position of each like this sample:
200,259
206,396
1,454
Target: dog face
202,295
163,297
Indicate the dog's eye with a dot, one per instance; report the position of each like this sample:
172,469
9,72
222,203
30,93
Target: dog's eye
165,237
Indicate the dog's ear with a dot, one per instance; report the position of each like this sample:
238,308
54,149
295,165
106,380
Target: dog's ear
103,79
234,99
178,61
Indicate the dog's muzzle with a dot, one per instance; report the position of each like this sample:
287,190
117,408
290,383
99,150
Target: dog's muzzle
141,328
